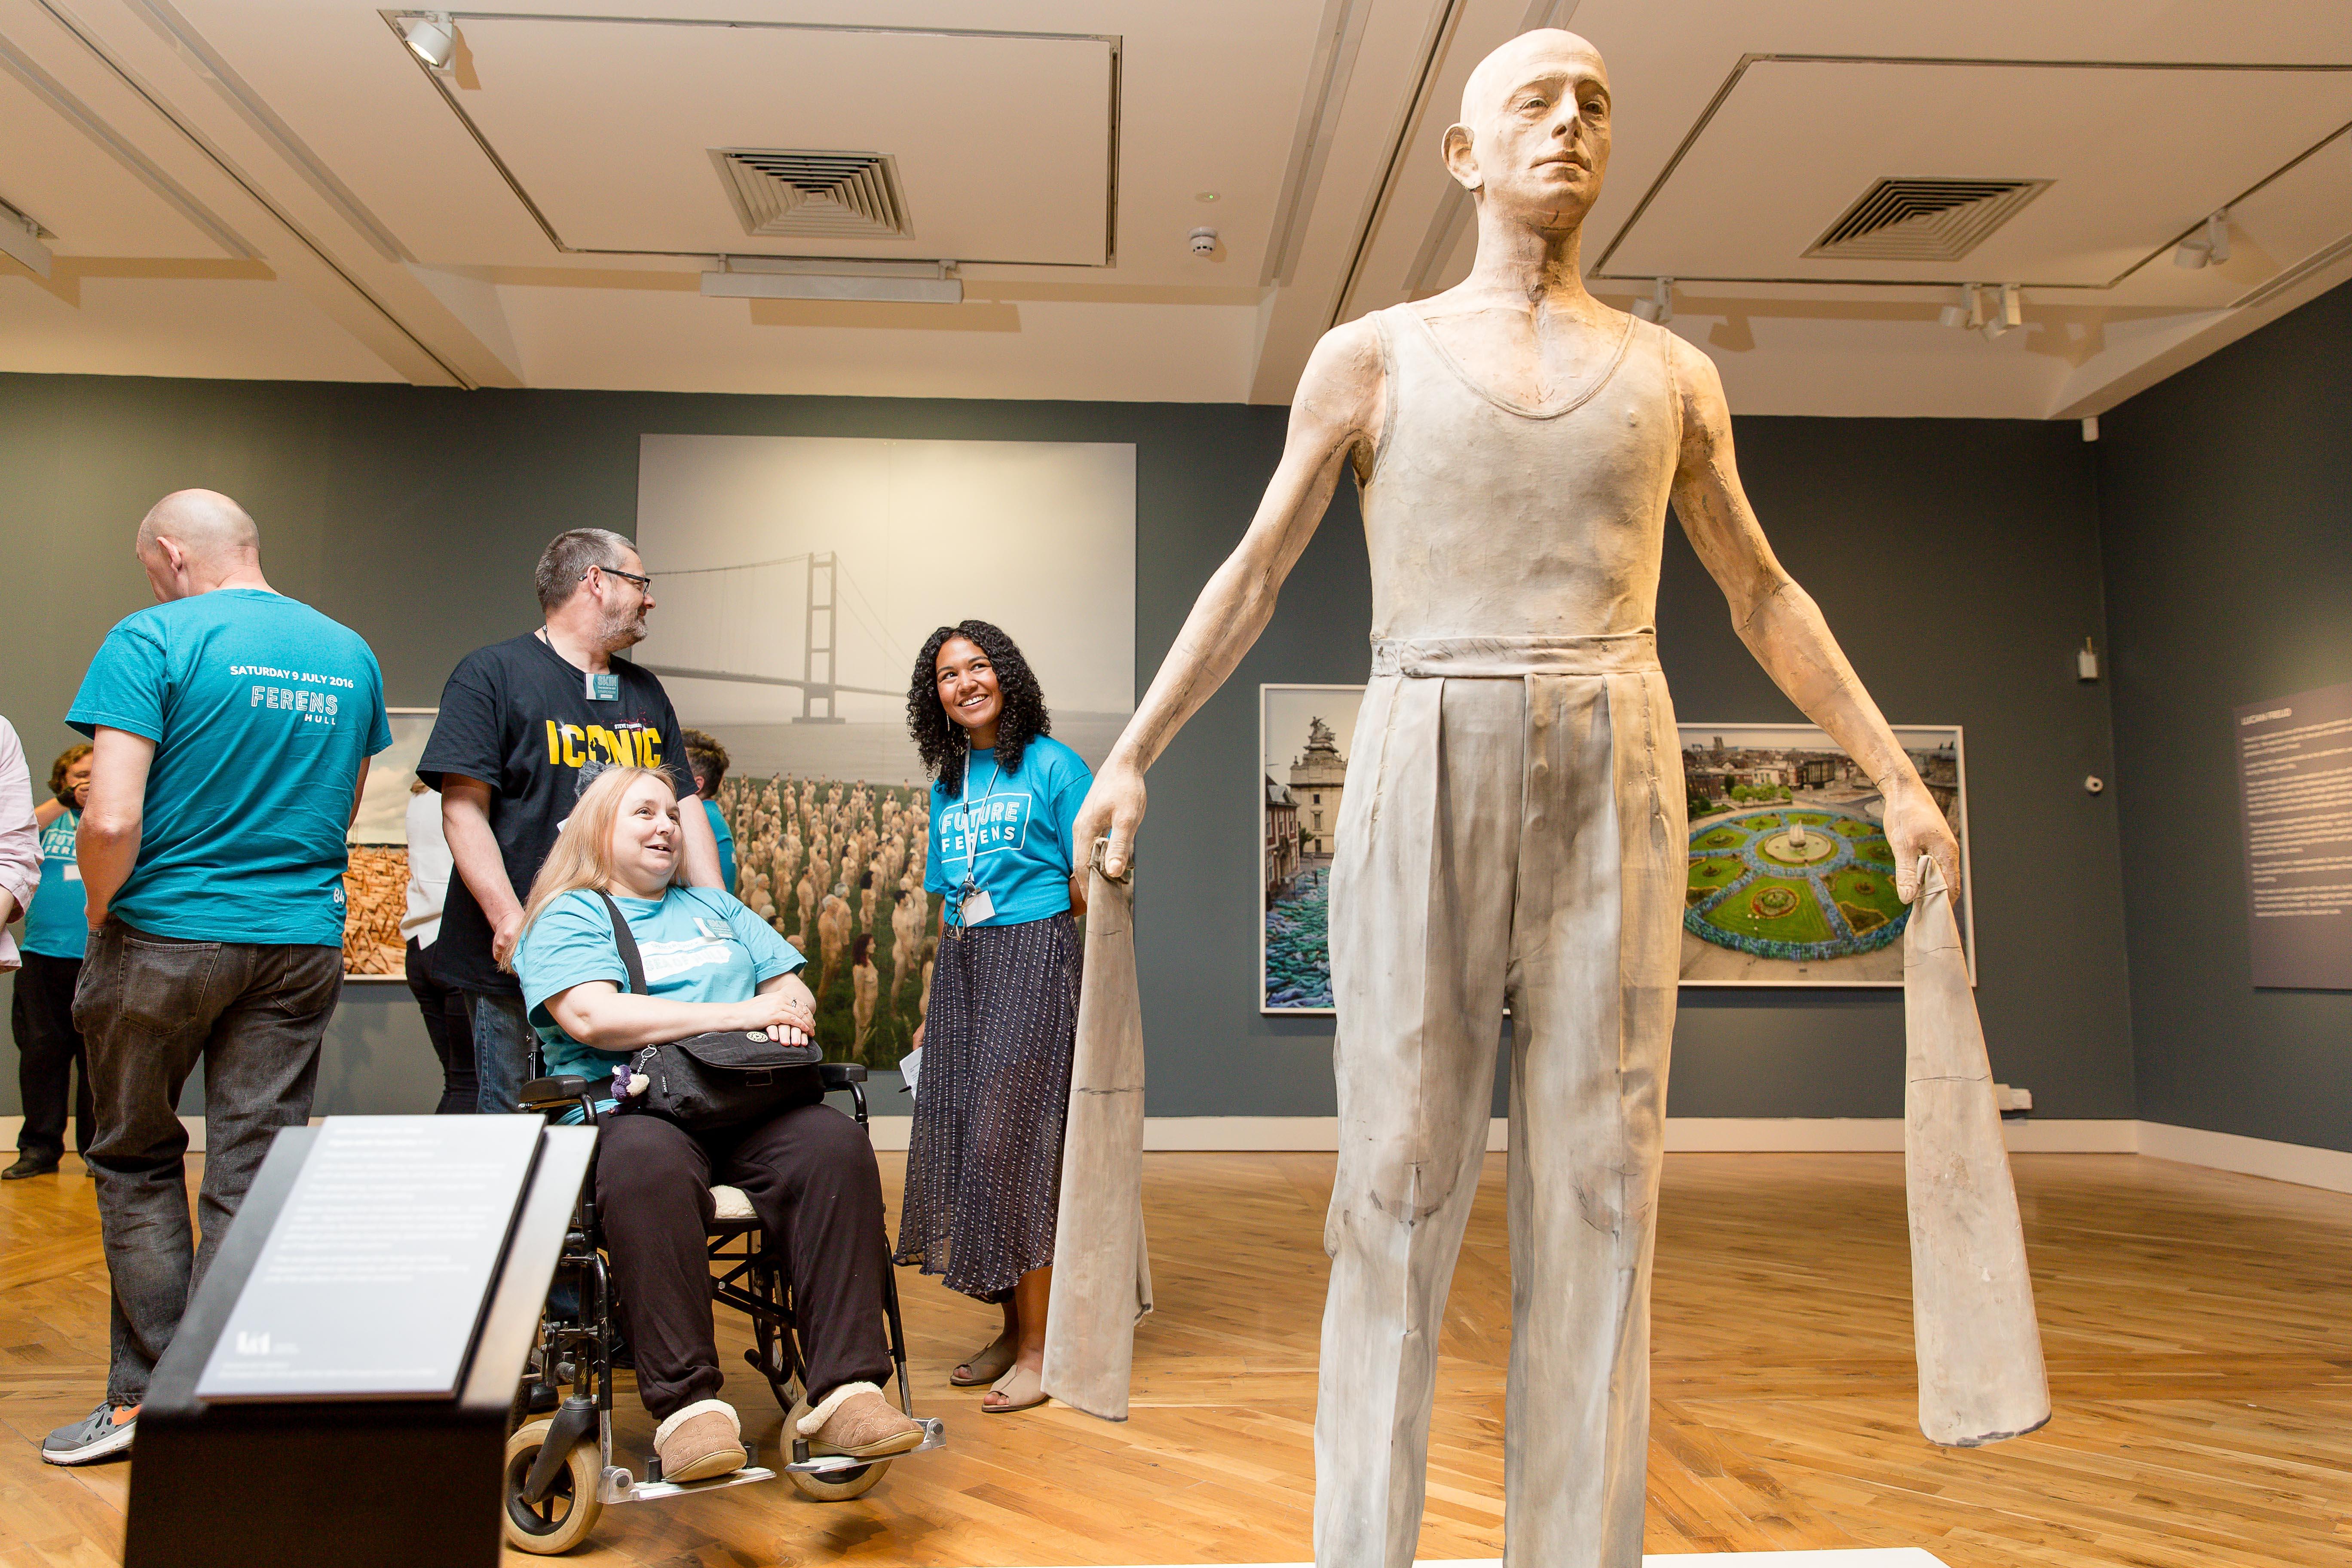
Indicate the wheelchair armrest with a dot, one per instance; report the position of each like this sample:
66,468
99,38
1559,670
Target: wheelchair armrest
548,1093
840,1075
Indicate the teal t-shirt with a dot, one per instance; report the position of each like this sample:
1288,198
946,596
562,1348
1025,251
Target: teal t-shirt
1014,831
56,926
262,711
699,944
726,837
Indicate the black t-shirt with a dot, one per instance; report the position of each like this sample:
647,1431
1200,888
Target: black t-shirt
519,717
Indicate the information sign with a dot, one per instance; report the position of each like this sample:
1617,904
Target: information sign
371,1283
2294,780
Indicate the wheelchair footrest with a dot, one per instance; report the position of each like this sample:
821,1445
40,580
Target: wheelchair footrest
619,1486
935,1436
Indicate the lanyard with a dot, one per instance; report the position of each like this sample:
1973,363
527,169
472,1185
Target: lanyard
972,837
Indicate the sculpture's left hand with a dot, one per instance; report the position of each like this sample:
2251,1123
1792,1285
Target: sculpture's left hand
1915,826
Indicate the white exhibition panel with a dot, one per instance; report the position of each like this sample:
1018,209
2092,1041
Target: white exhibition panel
1002,141
2136,156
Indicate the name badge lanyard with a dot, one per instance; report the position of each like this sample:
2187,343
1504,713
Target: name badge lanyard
972,904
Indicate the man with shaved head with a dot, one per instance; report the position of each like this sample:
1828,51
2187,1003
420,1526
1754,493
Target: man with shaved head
1512,829
232,729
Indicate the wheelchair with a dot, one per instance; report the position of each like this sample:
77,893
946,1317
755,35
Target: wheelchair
560,1473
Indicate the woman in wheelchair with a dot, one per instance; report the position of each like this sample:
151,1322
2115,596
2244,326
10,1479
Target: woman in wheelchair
808,1170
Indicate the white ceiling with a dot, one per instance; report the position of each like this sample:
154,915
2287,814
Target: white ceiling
277,188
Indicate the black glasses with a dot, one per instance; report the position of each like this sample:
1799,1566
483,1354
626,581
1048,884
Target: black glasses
644,585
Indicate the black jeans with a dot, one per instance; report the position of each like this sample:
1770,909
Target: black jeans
447,1026
49,1057
150,1008
811,1177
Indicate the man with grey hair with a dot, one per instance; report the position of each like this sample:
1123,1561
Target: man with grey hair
524,724
232,729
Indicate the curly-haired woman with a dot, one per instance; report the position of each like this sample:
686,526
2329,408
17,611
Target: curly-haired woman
983,1165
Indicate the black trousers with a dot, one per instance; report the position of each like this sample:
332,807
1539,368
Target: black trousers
51,1069
447,1026
811,1177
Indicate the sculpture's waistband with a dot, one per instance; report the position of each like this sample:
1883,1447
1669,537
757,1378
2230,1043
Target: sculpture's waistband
1615,653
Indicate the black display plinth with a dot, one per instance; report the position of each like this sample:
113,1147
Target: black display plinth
408,1482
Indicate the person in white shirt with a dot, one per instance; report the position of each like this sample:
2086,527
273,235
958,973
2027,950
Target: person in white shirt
444,1006
20,840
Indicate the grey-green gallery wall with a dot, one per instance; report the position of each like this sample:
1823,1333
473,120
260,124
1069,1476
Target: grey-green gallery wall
2226,494
1958,560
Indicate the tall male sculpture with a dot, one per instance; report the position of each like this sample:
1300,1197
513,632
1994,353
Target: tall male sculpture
1512,829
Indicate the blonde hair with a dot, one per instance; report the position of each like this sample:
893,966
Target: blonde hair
582,855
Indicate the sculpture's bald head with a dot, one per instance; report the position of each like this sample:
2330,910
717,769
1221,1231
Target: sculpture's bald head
193,541
1535,127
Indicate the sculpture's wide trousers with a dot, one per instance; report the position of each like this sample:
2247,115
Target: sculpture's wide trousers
1504,835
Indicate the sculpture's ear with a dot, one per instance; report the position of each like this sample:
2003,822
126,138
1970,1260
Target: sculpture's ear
1461,160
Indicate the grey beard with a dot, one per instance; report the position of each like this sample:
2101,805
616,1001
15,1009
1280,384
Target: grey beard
618,632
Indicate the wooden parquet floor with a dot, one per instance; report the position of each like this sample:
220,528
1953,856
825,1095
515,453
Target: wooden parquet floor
2195,1324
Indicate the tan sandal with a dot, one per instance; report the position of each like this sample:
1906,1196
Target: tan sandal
992,1363
1021,1389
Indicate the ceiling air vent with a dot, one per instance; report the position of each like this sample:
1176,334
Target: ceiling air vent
850,195
1923,220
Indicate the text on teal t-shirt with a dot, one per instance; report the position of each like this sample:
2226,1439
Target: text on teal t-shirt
726,837
1013,831
262,711
698,944
54,926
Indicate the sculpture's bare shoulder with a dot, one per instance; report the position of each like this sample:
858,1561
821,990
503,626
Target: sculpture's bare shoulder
1698,393
1338,405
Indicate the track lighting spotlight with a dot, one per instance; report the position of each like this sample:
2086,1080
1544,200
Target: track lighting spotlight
1968,312
1660,306
20,238
431,35
2210,246
2010,312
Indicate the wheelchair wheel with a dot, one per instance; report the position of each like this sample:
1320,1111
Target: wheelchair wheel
838,1486
561,1520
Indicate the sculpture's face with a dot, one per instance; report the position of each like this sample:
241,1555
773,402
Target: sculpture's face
1534,136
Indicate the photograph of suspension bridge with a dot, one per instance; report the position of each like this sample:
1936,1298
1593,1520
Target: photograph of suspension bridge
795,581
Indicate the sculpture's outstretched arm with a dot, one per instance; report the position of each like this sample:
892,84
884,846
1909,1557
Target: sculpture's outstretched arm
1337,407
1783,627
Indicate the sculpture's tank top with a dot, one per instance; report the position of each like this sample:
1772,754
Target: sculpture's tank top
1486,518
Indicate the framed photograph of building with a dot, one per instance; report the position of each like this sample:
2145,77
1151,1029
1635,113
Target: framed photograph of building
1791,881
1305,736
375,885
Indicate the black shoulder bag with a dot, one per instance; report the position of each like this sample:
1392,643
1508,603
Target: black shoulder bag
708,1082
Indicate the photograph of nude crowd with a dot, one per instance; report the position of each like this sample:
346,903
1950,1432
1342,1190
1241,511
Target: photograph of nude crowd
795,578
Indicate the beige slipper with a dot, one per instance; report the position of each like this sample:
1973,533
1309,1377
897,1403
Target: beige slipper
1021,1389
703,1440
992,1363
855,1419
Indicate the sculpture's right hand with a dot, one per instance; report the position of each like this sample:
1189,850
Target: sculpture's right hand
1115,805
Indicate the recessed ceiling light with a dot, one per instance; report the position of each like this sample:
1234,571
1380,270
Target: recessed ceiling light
431,35
1206,197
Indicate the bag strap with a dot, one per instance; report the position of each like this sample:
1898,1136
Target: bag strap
627,940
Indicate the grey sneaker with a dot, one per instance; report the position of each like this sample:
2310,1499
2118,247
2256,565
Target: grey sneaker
96,1436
